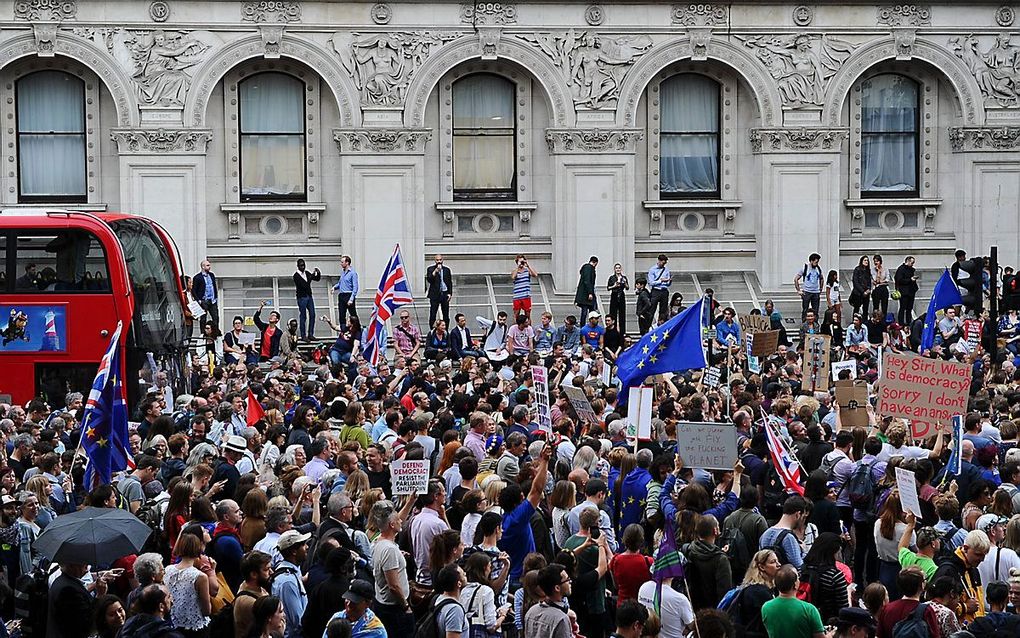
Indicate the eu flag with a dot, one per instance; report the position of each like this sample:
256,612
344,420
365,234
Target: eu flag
633,497
946,294
105,424
674,346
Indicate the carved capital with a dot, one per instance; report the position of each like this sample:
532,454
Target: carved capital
787,140
488,13
161,141
270,11
271,34
596,140
45,38
700,14
398,141
56,10
900,15
984,138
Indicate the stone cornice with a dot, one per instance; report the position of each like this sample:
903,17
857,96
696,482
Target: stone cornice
794,140
594,140
984,138
161,141
369,140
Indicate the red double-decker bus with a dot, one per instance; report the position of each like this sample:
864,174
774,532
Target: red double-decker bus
67,278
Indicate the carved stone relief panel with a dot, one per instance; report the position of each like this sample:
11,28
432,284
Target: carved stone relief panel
161,141
994,68
371,140
700,14
271,11
596,140
984,138
383,64
901,15
54,10
488,13
800,64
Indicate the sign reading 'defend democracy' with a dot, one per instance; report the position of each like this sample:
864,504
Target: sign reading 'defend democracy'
707,446
924,390
409,477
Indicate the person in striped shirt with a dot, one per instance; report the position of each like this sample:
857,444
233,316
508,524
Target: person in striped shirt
521,276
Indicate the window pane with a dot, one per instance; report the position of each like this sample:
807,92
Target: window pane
52,165
483,101
272,164
889,162
690,103
483,162
65,261
51,102
888,104
272,103
689,164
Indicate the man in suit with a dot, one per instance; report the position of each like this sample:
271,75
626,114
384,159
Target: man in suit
206,293
70,605
439,289
461,344
585,296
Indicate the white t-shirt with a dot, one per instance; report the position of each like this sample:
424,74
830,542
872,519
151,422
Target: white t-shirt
676,609
1007,559
906,451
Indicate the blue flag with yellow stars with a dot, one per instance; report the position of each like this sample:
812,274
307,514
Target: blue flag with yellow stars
675,346
105,423
633,497
946,294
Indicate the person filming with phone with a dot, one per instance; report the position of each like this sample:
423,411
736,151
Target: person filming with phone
591,552
271,332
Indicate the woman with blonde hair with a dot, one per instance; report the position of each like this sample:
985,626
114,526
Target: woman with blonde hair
757,589
889,529
42,488
357,485
1012,539
492,489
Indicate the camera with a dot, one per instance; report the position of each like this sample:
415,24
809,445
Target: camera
595,533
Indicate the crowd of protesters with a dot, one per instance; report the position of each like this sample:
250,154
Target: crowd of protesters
537,520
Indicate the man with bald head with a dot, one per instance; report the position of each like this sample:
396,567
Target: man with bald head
968,471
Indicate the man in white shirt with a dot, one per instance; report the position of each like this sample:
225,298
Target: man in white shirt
674,608
999,559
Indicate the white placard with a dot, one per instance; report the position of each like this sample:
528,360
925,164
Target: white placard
839,366
196,309
246,339
639,411
607,374
708,446
908,492
540,376
409,477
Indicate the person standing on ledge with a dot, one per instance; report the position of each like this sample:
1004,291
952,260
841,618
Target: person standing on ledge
584,298
439,289
306,304
348,288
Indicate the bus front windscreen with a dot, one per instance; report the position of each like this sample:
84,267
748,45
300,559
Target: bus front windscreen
159,317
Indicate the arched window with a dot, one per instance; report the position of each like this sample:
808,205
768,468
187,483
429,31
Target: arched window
483,138
889,136
689,157
272,135
51,137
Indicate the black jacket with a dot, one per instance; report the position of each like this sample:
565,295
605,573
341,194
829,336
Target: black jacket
862,280
457,346
432,287
198,287
905,283
303,285
69,609
146,626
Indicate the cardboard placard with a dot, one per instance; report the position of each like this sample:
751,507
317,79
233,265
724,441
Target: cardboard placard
908,492
924,390
581,405
765,343
707,446
409,477
639,413
754,323
816,363
839,366
852,399
540,376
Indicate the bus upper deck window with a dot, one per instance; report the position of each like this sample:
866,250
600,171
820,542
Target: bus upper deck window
62,261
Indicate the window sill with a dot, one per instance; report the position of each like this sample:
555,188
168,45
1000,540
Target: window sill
892,208
681,216
478,218
258,220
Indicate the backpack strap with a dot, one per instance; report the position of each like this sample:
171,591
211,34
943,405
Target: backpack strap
436,607
998,559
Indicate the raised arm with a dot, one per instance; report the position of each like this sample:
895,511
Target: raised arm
541,476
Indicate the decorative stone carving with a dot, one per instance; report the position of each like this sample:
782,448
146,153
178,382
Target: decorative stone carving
367,140
803,15
984,138
161,62
800,64
592,64
900,15
904,39
35,10
596,140
699,37
995,70
488,13
488,38
594,15
700,14
381,13
271,34
271,11
147,141
159,11
787,140
1004,16
45,38
383,64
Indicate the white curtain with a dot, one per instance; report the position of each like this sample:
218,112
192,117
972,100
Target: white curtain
889,134
483,142
689,139
51,140
272,135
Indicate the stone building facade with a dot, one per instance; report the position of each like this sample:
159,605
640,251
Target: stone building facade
733,136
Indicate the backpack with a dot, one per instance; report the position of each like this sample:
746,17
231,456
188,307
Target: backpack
913,626
775,494
429,625
777,547
222,622
829,463
805,587
861,488
945,544
150,514
734,543
31,592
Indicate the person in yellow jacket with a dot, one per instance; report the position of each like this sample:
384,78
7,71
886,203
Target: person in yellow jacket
962,566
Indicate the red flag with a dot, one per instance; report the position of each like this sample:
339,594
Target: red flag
255,411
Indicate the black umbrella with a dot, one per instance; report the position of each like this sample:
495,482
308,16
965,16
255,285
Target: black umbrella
93,536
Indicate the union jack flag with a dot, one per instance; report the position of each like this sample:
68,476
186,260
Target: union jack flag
783,459
105,423
393,293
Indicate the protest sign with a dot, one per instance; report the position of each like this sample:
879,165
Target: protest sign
581,405
246,339
409,477
908,492
607,374
754,323
844,365
928,391
707,446
711,377
753,364
765,343
816,363
972,333
540,376
852,399
639,412
196,309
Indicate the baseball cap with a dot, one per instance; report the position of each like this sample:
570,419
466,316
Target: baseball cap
290,538
360,591
987,521
594,313
8,500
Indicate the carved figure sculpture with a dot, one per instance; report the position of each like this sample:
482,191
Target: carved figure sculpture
996,70
801,69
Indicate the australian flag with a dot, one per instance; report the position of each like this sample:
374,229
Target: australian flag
105,424
393,293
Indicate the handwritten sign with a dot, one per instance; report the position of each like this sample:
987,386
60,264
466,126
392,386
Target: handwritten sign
196,309
754,323
908,491
852,399
541,378
712,376
816,362
409,477
753,364
707,446
246,339
923,390
839,366
765,343
972,333
581,405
